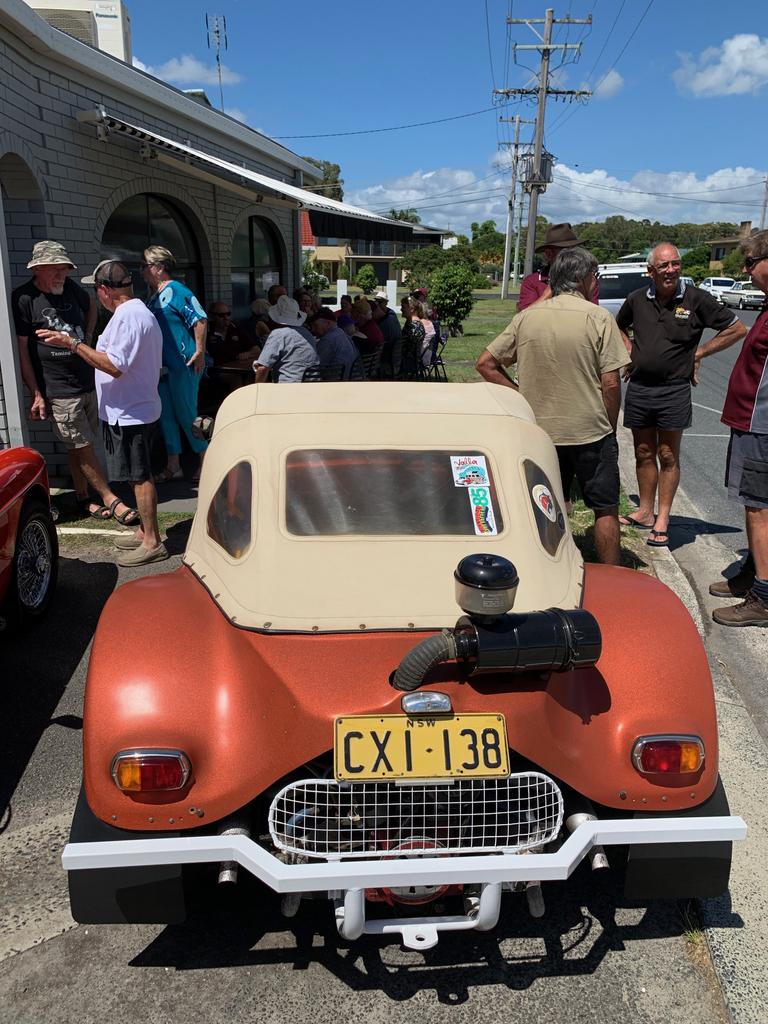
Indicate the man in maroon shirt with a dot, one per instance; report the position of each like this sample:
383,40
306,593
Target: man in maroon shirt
746,473
535,286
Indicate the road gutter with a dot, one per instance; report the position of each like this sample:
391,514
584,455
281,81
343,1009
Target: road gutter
736,924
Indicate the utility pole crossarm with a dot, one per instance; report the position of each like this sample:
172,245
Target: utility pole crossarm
546,46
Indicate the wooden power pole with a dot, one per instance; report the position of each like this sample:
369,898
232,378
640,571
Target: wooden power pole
536,184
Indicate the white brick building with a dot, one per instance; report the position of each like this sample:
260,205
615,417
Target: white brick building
106,159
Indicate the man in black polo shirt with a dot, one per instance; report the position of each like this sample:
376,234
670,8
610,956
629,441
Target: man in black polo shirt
667,320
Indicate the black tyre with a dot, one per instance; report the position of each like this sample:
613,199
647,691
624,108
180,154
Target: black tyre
741,303
35,565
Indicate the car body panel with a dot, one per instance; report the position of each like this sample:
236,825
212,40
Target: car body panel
717,285
22,473
617,280
249,707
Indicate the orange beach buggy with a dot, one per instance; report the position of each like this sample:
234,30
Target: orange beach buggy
385,676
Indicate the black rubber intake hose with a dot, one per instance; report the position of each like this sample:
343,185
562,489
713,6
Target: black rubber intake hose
413,669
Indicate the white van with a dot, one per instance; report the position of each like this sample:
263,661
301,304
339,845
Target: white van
717,285
616,280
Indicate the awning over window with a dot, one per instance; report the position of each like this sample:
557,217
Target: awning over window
329,217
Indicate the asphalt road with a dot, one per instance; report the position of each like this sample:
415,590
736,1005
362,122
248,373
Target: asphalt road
595,956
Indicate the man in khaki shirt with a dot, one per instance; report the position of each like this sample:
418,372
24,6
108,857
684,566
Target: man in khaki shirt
569,353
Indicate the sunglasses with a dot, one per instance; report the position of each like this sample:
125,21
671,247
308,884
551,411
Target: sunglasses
752,261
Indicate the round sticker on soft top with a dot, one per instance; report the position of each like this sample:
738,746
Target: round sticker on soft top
544,500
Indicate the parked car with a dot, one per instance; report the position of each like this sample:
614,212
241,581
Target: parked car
29,550
384,676
717,285
615,281
688,282
744,295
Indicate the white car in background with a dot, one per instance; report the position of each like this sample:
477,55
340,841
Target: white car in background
615,281
717,285
744,295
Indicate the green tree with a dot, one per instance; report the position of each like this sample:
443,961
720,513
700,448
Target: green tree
331,182
488,243
695,263
366,279
419,264
343,272
733,264
450,292
410,215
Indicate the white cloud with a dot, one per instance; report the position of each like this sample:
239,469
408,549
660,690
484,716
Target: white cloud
188,70
608,86
573,196
738,66
237,113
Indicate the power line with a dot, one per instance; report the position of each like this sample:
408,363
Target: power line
490,52
558,124
393,128
683,196
461,189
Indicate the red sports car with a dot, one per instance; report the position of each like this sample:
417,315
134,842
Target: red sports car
29,550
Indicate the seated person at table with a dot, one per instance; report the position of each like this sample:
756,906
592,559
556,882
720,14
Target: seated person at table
363,317
259,315
334,347
287,352
225,340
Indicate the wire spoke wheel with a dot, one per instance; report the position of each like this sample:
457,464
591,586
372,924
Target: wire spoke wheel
34,564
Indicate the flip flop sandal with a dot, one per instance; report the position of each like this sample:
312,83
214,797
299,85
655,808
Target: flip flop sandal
128,518
100,512
631,521
658,543
167,475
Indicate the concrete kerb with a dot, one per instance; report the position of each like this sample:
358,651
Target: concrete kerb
736,924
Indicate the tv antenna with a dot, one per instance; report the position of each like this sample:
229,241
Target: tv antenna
216,27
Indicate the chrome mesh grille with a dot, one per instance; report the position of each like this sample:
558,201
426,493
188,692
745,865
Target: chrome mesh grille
331,820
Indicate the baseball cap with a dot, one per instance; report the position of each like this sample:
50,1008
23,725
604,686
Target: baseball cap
112,273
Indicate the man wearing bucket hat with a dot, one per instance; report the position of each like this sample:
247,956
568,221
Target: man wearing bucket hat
536,285
126,362
290,349
60,383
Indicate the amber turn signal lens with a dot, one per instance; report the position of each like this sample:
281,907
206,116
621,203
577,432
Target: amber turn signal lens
668,755
147,771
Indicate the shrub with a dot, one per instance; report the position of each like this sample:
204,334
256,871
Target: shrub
366,279
450,293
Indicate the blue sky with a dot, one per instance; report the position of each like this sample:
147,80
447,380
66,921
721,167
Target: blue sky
681,111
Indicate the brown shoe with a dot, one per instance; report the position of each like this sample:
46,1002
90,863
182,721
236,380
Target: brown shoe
143,556
737,586
127,541
752,611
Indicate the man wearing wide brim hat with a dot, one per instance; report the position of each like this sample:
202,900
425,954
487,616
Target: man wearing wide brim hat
535,286
290,350
62,384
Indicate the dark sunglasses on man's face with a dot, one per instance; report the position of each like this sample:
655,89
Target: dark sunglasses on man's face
752,261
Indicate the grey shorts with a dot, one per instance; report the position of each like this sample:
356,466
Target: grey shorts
76,420
746,469
129,451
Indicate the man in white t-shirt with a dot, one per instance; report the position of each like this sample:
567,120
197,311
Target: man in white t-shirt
127,361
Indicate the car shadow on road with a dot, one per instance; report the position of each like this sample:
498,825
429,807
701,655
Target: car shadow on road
590,919
39,663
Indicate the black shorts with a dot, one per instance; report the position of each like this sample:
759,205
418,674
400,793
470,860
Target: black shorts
128,450
596,467
746,469
663,406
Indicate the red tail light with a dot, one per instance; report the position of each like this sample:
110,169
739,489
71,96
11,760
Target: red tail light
668,755
150,771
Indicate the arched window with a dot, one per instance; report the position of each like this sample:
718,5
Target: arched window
146,220
256,264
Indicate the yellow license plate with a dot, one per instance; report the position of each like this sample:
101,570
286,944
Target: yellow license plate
398,747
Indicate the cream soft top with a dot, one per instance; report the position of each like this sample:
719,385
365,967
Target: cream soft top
281,581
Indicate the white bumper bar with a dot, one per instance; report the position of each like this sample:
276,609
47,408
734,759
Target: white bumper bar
362,874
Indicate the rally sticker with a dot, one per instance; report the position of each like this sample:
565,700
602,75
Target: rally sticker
543,499
469,470
483,518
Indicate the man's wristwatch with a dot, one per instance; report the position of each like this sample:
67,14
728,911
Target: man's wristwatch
74,343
